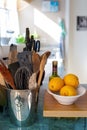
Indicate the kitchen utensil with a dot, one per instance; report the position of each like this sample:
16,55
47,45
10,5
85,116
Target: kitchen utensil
3,98
22,107
32,81
47,54
7,75
13,68
21,77
41,69
25,59
37,46
13,47
2,82
12,57
35,61
44,58
41,72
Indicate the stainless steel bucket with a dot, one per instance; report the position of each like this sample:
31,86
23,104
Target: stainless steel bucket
22,106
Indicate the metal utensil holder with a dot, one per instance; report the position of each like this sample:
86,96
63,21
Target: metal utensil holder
22,106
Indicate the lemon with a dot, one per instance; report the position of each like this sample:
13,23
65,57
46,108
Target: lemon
55,84
68,91
72,80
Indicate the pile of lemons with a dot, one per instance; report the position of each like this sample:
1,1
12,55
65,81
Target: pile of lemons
66,86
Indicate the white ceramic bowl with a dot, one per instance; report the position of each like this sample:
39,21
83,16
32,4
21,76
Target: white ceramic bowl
68,100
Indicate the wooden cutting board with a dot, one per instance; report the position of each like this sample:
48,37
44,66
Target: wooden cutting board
53,109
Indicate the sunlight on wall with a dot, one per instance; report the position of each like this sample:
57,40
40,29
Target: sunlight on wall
47,25
22,4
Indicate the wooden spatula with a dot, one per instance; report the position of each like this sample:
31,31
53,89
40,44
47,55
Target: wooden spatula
44,58
7,75
41,69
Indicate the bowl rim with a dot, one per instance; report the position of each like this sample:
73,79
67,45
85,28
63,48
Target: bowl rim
76,96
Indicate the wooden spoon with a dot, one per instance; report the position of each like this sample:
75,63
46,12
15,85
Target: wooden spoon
41,69
36,61
7,75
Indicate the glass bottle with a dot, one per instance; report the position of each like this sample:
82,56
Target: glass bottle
54,70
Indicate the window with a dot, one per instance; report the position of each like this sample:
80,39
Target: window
4,13
9,26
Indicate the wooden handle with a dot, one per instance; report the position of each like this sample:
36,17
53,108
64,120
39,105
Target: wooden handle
42,66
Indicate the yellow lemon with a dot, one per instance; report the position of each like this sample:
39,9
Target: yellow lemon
68,91
55,84
72,80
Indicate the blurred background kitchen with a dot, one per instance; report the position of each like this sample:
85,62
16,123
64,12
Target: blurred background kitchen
56,29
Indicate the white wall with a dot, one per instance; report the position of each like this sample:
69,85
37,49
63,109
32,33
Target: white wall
27,18
77,51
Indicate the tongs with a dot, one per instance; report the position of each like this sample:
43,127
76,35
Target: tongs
7,75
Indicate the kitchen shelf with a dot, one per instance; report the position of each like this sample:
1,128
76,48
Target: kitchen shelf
54,109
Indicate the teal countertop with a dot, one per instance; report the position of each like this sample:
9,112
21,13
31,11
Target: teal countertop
44,123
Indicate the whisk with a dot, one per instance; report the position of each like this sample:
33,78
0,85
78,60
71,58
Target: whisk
21,77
